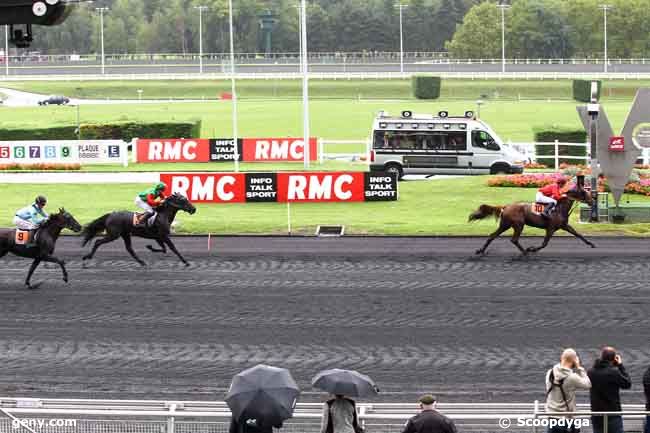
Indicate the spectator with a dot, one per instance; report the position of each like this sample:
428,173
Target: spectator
340,416
429,420
608,377
562,382
646,390
250,426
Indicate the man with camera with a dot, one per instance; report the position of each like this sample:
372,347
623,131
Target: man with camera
562,382
608,377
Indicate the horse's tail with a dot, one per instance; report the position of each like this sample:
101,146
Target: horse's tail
95,227
485,211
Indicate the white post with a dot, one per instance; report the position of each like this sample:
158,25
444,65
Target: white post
134,150
557,156
101,24
503,8
320,151
305,83
289,216
124,154
401,40
605,8
7,50
233,89
201,9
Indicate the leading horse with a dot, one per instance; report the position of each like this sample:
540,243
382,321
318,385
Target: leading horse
121,224
519,215
46,237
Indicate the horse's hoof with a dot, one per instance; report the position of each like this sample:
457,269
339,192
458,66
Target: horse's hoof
65,280
149,247
33,286
479,252
593,246
186,264
84,258
143,264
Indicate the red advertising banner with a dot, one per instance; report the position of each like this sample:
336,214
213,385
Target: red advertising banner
283,187
278,149
617,144
320,187
173,150
208,188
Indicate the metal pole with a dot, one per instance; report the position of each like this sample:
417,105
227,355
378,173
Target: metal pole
401,40
503,8
305,83
7,50
101,24
605,8
594,110
201,9
233,87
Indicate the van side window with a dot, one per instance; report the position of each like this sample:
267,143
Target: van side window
457,141
483,140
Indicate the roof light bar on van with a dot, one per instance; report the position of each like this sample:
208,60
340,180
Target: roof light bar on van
443,114
399,125
430,125
462,126
383,125
415,126
446,126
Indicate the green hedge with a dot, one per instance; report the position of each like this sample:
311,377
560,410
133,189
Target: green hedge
582,90
107,131
549,135
426,86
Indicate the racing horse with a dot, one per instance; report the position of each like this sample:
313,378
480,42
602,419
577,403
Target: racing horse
122,224
519,215
43,249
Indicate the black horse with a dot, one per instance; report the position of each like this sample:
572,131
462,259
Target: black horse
121,224
46,237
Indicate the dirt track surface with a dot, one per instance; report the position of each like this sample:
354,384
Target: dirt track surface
418,315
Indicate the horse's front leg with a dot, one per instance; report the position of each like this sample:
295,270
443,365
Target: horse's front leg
61,263
568,228
167,240
547,238
32,268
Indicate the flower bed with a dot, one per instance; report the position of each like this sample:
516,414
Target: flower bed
524,180
40,166
534,166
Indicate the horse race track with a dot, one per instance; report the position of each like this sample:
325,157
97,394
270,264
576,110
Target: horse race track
416,314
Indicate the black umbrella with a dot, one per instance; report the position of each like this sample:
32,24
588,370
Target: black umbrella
264,394
345,382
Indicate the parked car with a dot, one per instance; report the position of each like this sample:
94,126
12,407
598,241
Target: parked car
54,100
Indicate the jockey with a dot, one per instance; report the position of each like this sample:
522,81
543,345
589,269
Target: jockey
31,217
549,195
149,200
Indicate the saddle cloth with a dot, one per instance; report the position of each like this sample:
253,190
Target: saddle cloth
138,215
23,236
537,208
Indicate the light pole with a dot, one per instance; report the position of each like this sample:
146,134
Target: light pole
7,50
605,8
503,8
305,80
401,7
201,9
233,89
101,24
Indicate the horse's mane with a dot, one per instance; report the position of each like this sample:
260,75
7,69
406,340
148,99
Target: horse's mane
52,217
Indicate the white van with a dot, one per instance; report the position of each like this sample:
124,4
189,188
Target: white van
427,144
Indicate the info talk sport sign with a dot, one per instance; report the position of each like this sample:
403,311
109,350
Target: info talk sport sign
283,187
223,150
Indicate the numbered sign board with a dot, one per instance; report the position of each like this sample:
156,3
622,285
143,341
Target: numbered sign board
64,151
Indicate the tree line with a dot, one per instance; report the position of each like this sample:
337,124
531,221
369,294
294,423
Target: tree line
465,28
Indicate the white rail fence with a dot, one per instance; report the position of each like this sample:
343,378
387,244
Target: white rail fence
131,416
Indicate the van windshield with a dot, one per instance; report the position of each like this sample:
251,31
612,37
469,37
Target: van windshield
484,140
434,141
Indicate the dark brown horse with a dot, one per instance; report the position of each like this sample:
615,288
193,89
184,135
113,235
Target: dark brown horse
519,215
42,251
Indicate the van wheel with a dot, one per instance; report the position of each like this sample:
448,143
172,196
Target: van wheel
500,169
394,169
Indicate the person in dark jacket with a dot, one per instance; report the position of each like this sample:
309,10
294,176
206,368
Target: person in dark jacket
646,390
250,426
429,420
608,377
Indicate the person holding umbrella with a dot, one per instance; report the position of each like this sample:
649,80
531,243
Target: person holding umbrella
340,413
261,398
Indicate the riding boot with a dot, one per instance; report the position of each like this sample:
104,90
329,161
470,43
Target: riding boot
142,222
548,210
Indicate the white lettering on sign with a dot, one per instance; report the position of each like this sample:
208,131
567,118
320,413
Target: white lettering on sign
177,150
300,188
204,189
275,149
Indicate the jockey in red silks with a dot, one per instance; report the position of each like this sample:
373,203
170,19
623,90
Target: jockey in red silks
550,194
